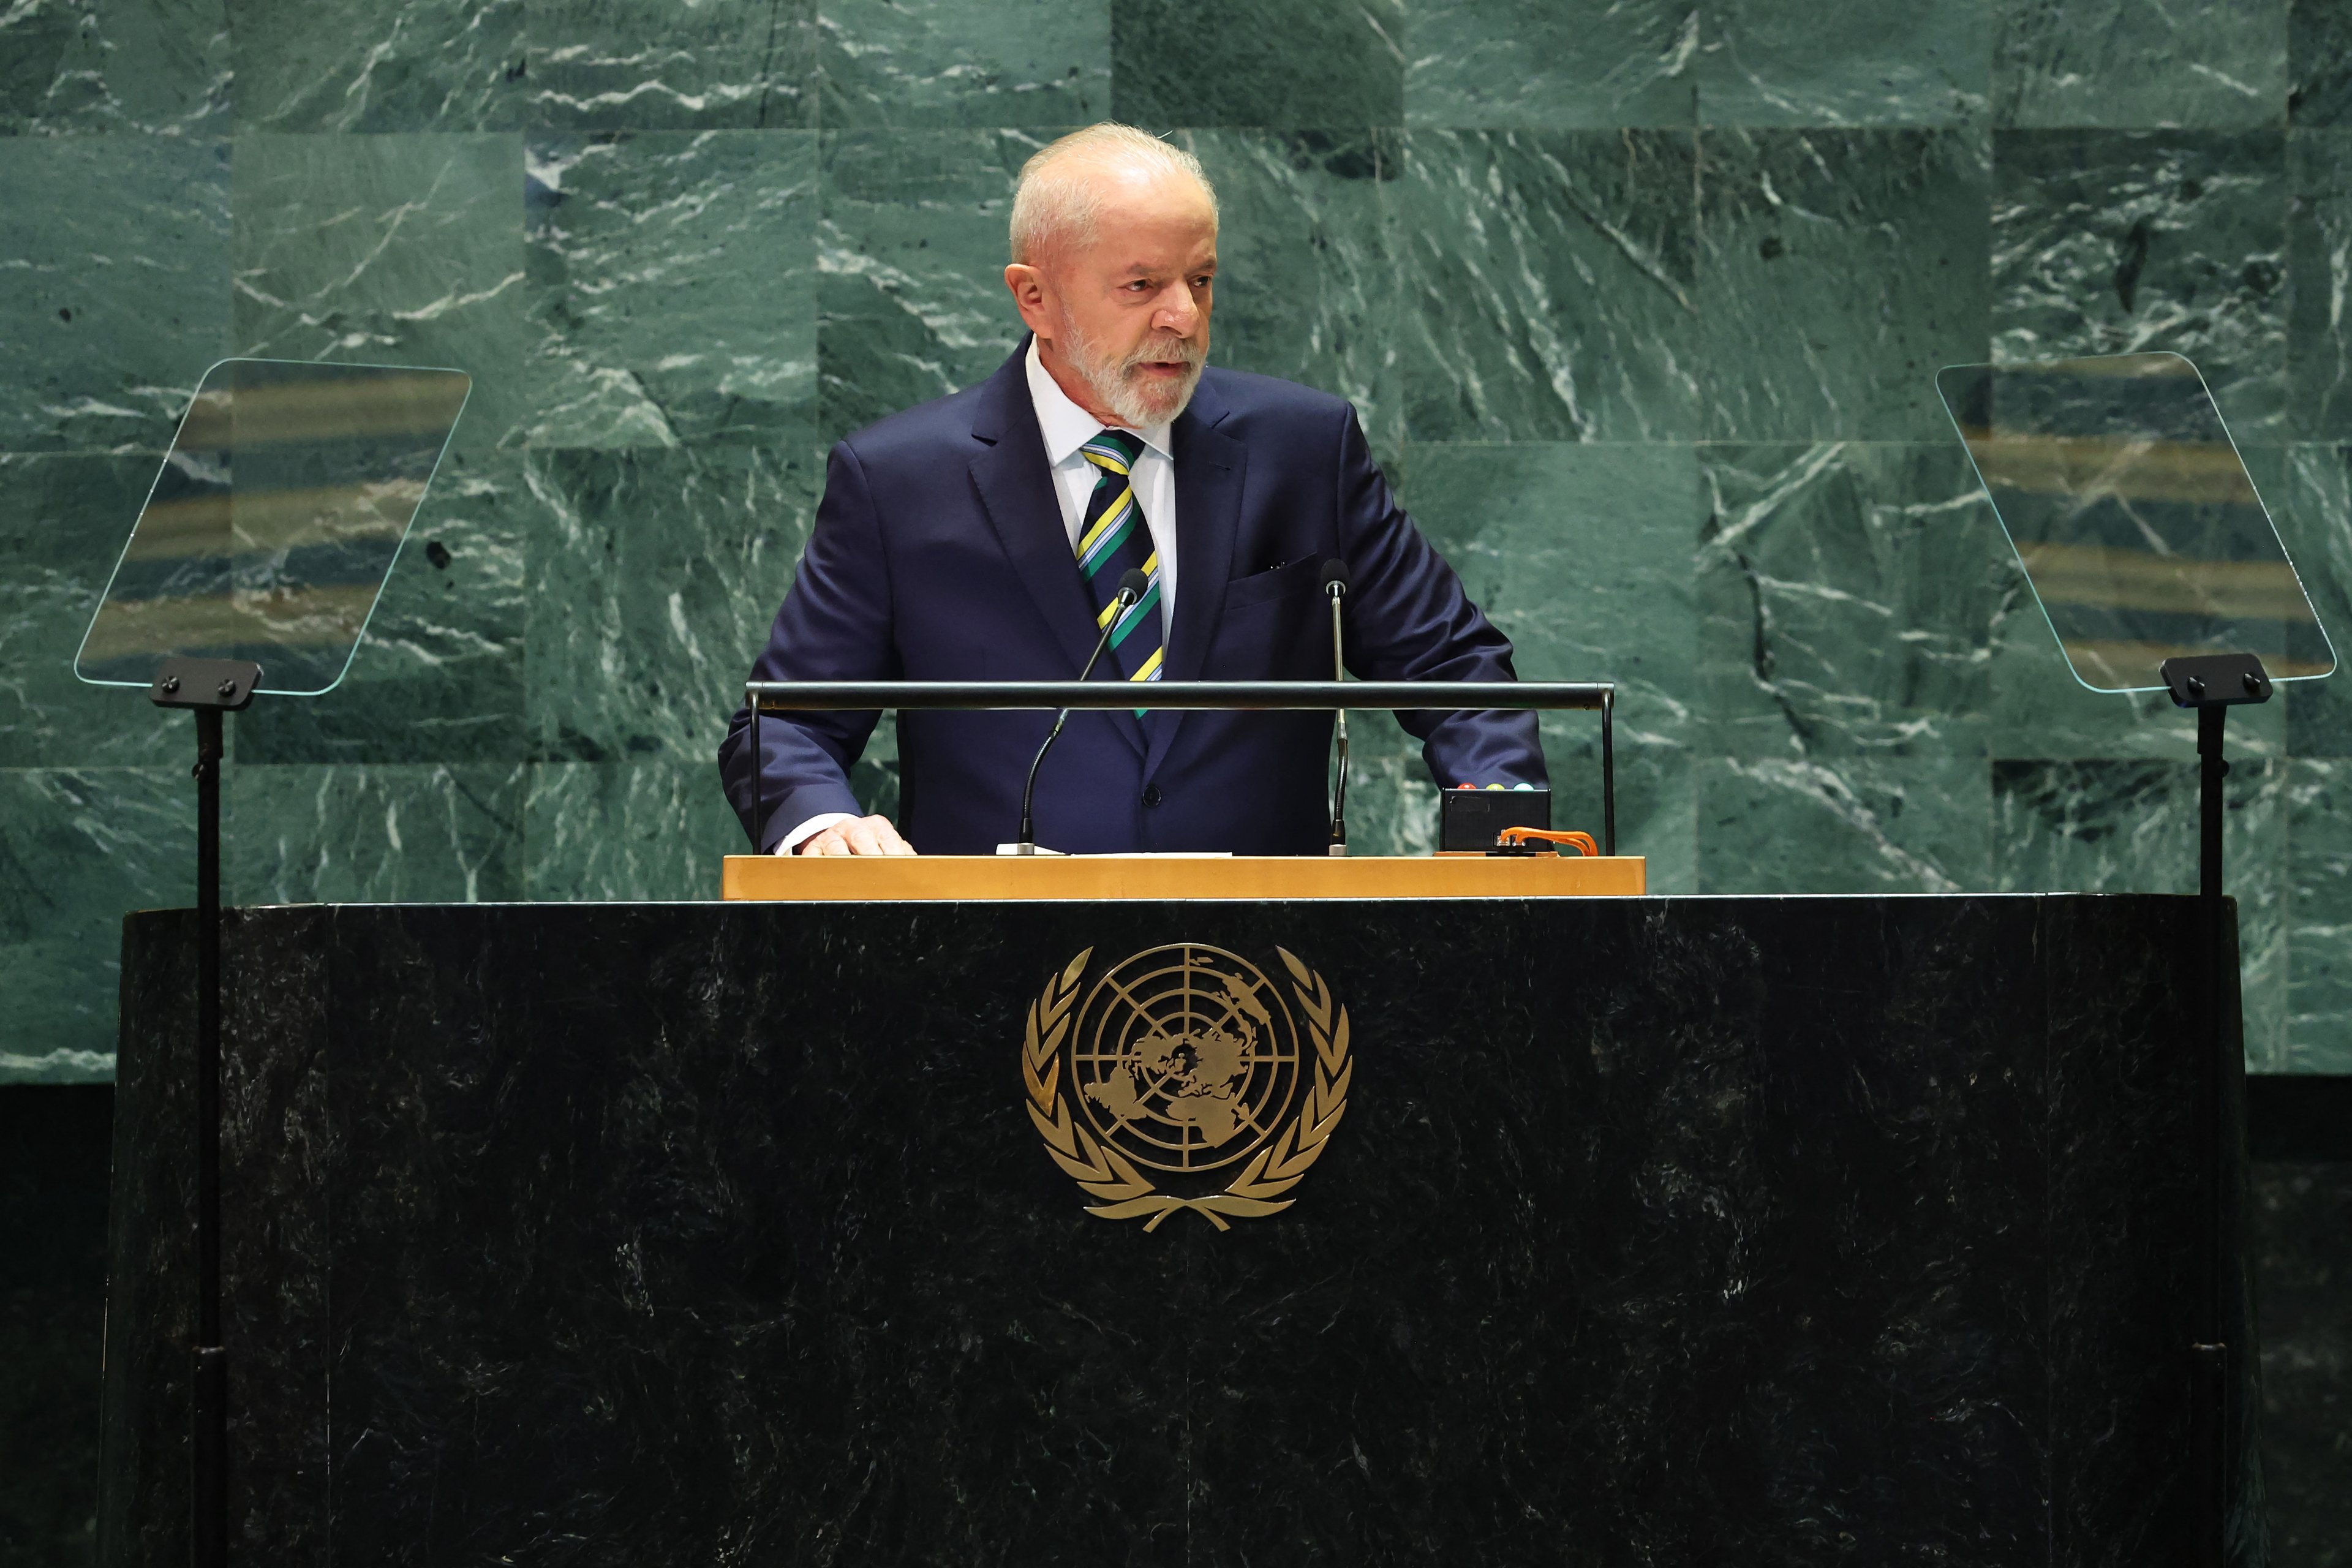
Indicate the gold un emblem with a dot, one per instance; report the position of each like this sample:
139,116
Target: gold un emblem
1183,1082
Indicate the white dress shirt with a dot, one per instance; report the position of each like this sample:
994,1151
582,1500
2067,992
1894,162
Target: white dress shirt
1066,428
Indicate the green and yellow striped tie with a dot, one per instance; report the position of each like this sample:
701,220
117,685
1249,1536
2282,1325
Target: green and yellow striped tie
1113,538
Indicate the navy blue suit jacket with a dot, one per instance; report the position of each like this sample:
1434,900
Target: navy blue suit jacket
939,553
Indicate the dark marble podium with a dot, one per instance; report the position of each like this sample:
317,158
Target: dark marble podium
1657,1232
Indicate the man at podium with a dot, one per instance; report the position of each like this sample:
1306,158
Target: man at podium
986,536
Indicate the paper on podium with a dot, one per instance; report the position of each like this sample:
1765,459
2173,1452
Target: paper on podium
1123,854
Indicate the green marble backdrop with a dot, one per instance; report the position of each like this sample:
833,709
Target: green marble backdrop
1640,301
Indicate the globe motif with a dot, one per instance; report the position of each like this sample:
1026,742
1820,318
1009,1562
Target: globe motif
1185,1058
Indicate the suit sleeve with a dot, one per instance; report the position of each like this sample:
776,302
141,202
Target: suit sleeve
1406,617
836,625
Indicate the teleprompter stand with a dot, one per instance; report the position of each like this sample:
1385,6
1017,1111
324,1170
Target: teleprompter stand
210,687
265,540
2212,684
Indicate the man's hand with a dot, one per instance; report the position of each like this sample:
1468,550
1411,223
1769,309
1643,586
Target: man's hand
866,835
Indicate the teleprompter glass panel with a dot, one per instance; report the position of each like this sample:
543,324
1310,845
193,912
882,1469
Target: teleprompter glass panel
2133,516
274,521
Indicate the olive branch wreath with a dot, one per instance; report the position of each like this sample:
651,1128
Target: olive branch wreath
1126,1193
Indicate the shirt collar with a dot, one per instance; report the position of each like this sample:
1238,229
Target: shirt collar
1065,425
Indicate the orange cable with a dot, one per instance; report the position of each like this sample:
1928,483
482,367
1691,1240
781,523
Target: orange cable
1580,842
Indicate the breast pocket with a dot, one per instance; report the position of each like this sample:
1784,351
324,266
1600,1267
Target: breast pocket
1295,580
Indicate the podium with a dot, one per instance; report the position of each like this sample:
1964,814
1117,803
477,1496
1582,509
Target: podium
1637,1230
834,877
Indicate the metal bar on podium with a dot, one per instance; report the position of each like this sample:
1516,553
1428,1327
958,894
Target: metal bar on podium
1233,696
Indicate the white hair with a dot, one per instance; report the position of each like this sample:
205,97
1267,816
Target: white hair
1054,204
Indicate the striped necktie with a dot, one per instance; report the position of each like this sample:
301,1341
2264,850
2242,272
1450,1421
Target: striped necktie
1112,539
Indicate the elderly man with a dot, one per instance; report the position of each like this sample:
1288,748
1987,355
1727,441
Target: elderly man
984,537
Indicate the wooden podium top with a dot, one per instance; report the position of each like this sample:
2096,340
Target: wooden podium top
889,879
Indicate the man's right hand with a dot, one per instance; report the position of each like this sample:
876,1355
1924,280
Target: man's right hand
862,835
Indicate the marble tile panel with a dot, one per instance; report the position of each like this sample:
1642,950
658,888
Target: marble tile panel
2041,711
1838,271
1308,65
2307,490
1842,824
1845,62
422,65
396,249
2220,63
672,287
303,834
109,308
1848,594
1552,63
655,575
1582,554
2116,826
2099,825
78,850
2319,930
2120,242
618,65
941,63
1307,264
1551,285
438,675
156,66
1658,809
2319,282
1392,804
910,268
63,520
2318,63
652,828
2299,1215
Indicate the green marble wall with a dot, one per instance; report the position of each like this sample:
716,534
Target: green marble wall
1640,301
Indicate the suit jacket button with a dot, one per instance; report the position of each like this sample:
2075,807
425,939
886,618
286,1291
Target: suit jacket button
1152,795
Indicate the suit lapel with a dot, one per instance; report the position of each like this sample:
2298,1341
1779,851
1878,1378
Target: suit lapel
1016,489
1209,470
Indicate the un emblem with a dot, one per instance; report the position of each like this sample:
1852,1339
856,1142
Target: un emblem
1180,1080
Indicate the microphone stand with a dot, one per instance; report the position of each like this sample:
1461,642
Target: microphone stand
1130,588
1335,585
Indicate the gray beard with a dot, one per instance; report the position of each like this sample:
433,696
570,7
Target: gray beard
1114,391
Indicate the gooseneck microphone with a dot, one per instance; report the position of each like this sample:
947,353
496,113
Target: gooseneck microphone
1131,587
1334,585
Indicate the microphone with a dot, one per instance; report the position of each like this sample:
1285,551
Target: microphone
1335,585
1131,587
